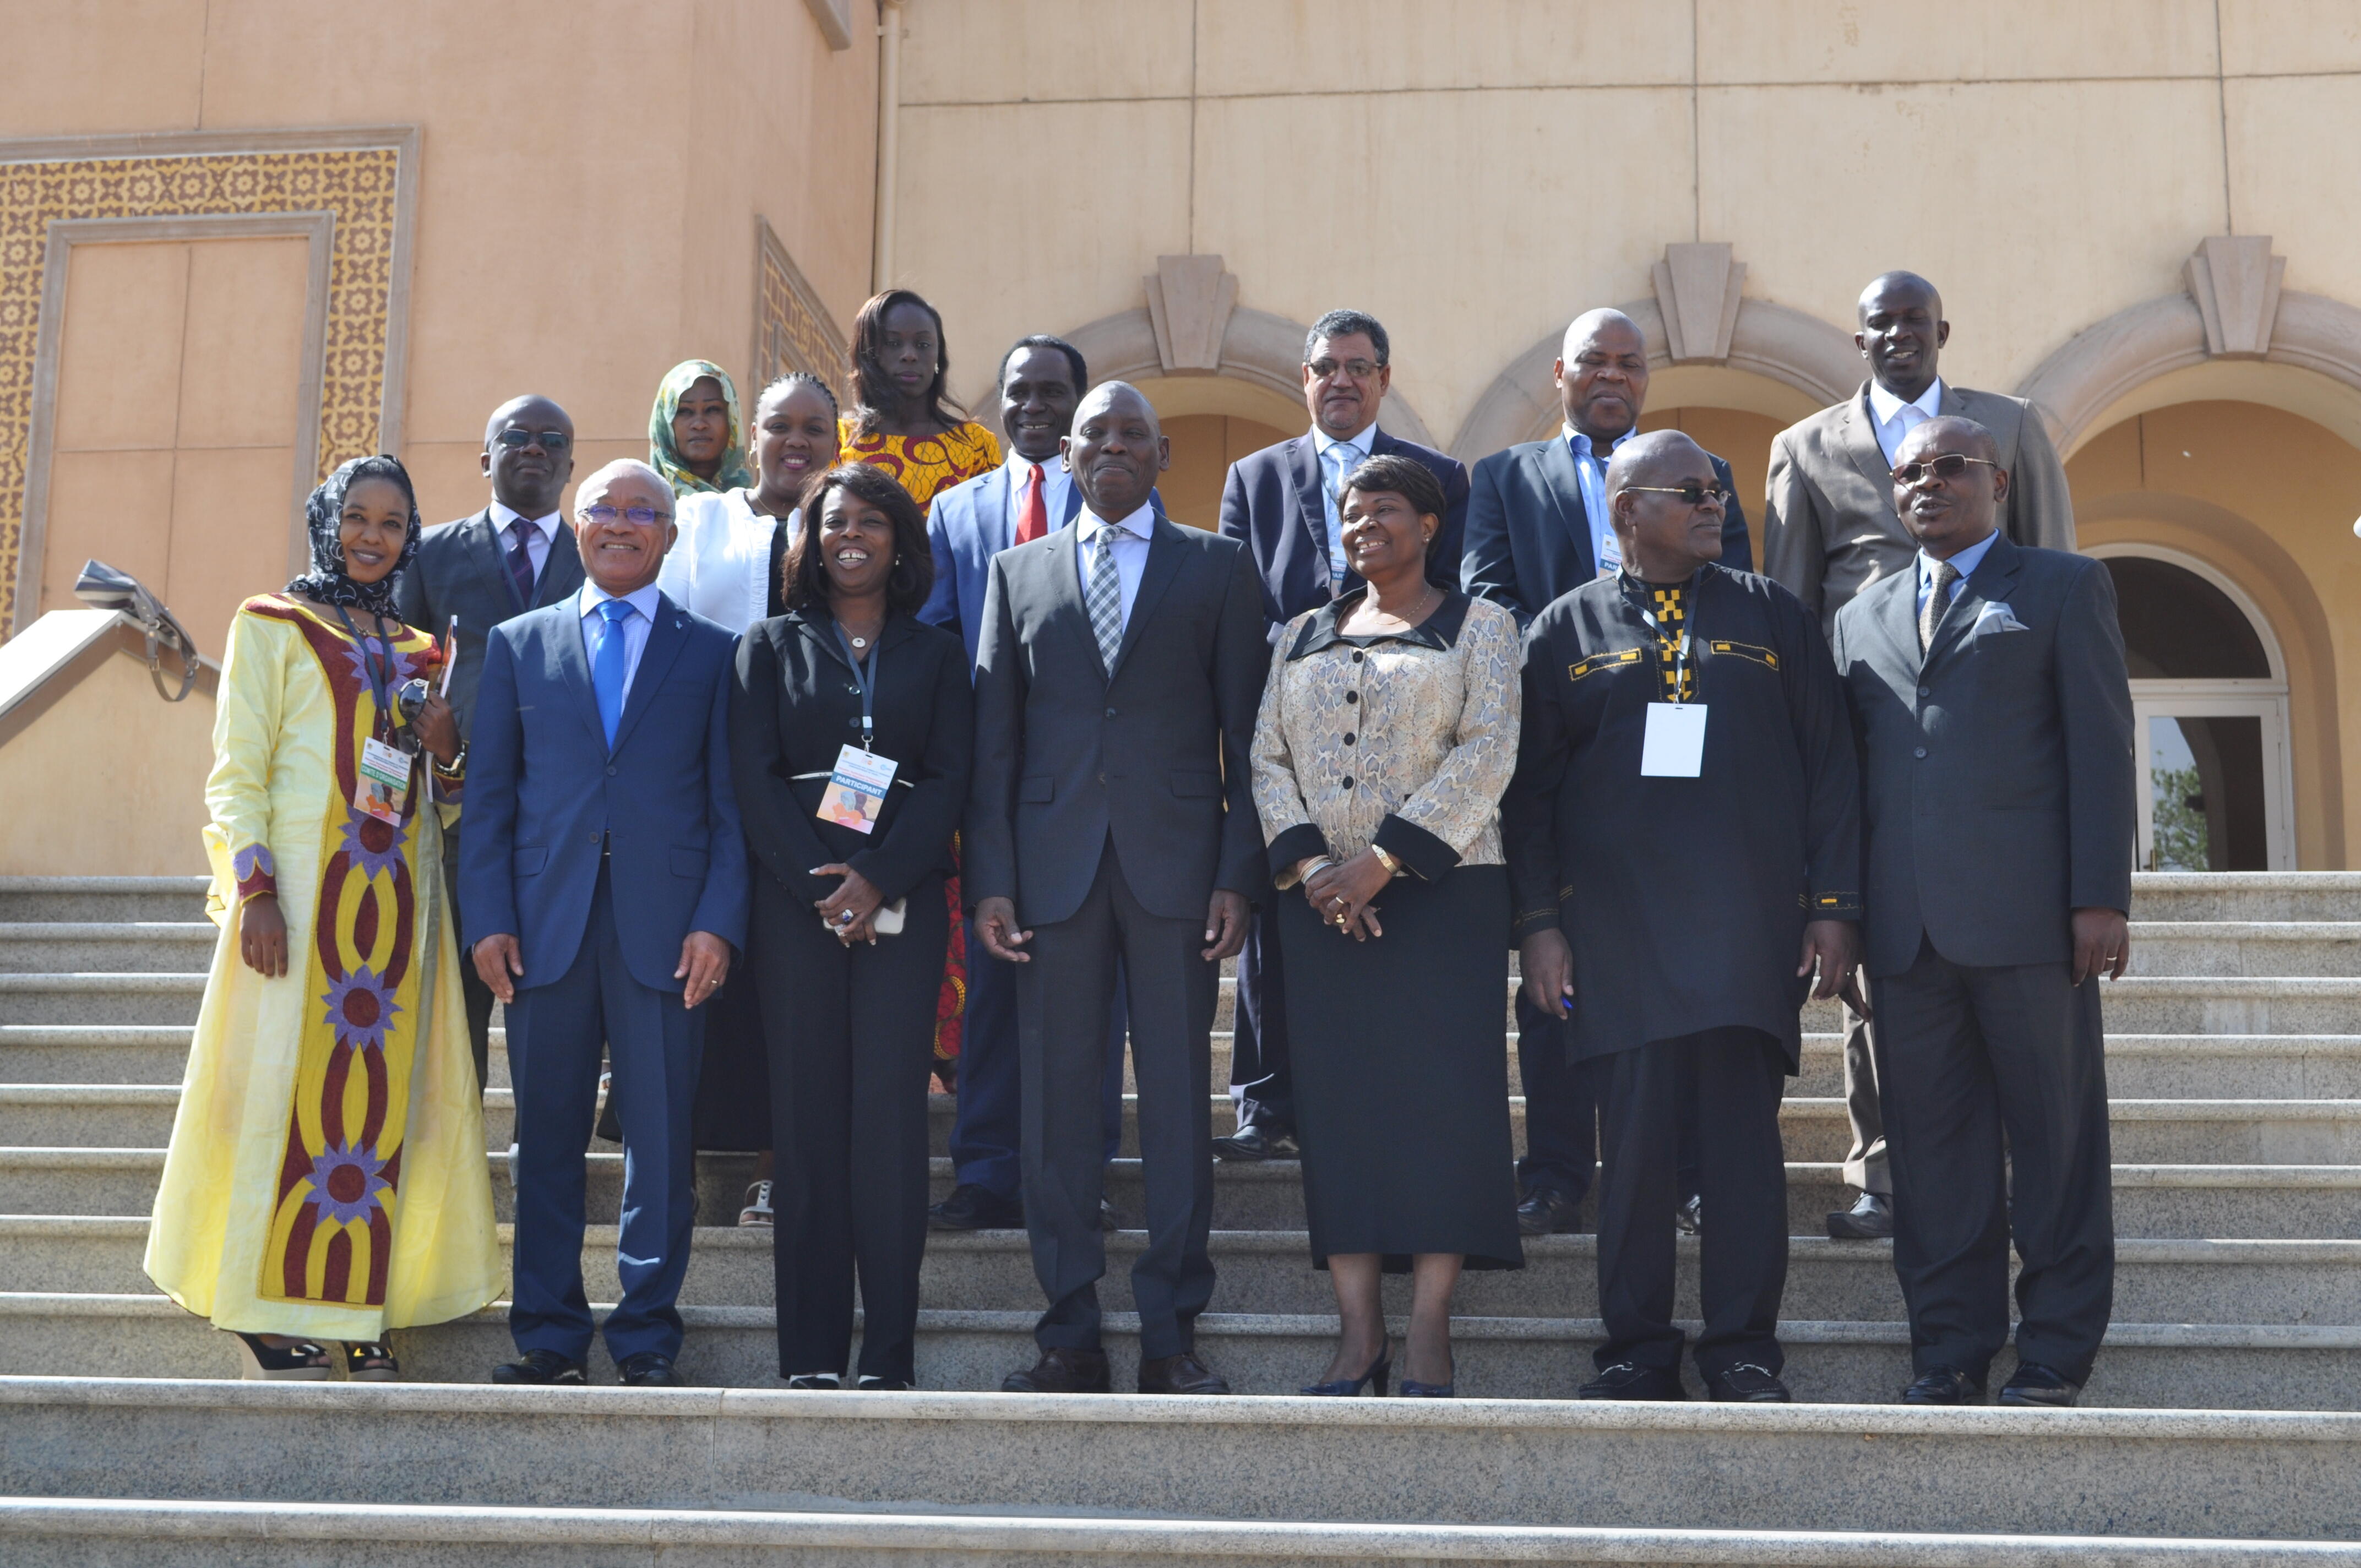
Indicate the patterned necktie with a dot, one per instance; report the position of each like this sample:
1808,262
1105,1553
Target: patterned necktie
1930,614
1336,460
1033,510
521,562
606,670
1106,597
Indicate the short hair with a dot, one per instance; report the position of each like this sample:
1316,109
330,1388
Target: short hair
1044,340
795,378
1344,323
803,577
601,477
1408,478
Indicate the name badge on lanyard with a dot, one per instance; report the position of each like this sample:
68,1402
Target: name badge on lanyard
857,785
383,790
1672,746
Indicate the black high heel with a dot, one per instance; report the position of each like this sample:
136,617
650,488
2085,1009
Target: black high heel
1412,1389
1347,1387
368,1361
303,1362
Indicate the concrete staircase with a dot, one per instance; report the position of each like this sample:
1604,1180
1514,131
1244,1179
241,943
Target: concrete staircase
2221,1425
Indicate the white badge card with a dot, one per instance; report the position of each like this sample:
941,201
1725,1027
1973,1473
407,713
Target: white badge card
384,788
1673,747
856,789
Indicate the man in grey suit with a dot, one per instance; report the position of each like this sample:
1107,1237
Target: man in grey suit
1829,530
1994,718
516,554
1116,686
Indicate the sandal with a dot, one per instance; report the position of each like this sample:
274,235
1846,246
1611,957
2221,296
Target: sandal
366,1361
302,1362
757,1212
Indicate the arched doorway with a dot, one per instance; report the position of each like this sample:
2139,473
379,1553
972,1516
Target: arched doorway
2210,705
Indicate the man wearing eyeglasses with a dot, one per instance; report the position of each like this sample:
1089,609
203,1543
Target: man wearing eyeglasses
1280,503
1993,715
516,554
1829,530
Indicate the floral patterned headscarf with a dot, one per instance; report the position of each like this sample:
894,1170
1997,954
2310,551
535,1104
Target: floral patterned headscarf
322,518
664,457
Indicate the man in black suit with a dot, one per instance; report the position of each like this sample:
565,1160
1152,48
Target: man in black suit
1994,718
1116,687
1280,503
516,554
1539,526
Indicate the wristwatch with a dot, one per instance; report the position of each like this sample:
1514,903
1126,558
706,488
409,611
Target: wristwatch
1393,867
458,767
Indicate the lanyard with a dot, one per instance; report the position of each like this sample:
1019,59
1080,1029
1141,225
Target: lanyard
865,677
379,679
1688,622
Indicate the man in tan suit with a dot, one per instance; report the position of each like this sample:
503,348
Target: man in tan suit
1829,530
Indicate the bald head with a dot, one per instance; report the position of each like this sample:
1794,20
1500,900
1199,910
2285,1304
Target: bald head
1647,459
1602,374
1664,536
529,455
626,481
1902,333
1116,450
1946,512
1113,395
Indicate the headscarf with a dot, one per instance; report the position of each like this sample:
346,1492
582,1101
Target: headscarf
322,519
664,457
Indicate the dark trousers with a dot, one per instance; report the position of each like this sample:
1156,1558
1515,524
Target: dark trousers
1062,999
851,1034
989,1126
1743,1174
471,985
1562,1112
1982,1071
1261,1087
654,1043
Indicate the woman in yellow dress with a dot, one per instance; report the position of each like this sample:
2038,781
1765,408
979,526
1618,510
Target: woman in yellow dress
327,1178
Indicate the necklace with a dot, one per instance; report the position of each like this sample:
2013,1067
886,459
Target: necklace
1372,610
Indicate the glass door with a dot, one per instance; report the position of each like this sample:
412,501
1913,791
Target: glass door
2214,793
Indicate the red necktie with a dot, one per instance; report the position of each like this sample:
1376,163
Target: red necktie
1033,516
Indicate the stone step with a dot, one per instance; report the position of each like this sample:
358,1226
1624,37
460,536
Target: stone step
260,1535
116,946
102,898
2246,895
2129,1473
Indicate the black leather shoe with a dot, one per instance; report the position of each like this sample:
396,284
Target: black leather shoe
1062,1371
650,1369
541,1367
1256,1141
869,1385
2034,1384
1944,1386
1630,1380
1748,1383
974,1207
1689,1218
1870,1220
1182,1373
1547,1211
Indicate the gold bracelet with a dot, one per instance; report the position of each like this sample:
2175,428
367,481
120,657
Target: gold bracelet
1393,867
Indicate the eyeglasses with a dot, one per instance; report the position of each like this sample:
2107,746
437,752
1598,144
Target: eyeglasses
1690,492
1352,370
550,440
1950,466
645,517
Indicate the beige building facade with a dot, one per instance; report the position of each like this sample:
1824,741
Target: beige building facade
242,240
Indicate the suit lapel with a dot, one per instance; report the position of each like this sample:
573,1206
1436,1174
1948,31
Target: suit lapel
992,504
1561,479
1064,567
561,569
1165,551
484,552
574,664
1311,503
1990,583
1859,438
1898,618
667,637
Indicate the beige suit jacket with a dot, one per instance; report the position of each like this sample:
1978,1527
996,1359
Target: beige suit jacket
1830,529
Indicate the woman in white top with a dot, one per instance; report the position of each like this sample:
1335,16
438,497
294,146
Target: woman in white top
725,565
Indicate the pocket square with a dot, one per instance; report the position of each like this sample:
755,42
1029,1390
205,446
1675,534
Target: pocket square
1998,617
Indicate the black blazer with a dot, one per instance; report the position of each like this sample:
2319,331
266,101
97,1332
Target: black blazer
461,569
1158,756
795,703
1998,772
1271,504
1529,537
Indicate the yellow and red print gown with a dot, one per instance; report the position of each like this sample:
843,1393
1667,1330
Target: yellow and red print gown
327,1176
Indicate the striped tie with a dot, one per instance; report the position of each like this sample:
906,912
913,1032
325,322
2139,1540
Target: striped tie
1106,597
1930,615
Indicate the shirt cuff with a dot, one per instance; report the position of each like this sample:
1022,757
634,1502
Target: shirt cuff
1303,839
1833,905
256,871
1529,921
1415,847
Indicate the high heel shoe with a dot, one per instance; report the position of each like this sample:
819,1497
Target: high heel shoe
302,1362
1345,1388
1412,1389
368,1361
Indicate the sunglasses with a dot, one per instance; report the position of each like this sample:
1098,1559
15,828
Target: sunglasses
1950,466
1690,492
645,517
549,440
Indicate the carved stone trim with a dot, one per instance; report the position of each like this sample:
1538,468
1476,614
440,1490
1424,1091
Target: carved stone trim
793,330
1697,294
2234,280
1189,301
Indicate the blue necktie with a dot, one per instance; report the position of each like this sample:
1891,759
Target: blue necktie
606,670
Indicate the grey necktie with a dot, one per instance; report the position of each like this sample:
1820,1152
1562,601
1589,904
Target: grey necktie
1931,613
1106,597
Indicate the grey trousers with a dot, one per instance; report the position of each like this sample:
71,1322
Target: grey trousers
1864,1164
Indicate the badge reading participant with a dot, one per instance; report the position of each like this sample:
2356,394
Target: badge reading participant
1674,746
856,790
384,788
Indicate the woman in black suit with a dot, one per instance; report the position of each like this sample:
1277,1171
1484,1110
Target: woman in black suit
848,926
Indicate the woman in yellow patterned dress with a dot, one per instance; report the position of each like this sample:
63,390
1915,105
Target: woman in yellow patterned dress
327,1178
902,420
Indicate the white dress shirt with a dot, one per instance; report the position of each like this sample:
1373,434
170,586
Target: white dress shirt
635,627
1131,536
720,566
1965,563
1335,465
1897,419
1055,486
538,533
1605,553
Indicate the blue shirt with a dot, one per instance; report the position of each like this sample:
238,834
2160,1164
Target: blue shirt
1965,563
1339,459
1606,554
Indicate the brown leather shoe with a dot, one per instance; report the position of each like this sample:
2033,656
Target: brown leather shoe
1062,1371
1182,1373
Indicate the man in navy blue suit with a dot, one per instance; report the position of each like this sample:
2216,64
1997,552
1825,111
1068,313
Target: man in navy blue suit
1280,503
1539,527
604,881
